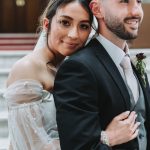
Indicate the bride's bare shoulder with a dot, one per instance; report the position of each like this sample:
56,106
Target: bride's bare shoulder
25,68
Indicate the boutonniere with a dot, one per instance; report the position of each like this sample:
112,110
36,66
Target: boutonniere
140,66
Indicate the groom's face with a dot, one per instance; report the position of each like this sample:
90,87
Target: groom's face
121,17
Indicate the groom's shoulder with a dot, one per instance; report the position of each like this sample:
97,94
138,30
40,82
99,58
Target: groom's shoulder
87,51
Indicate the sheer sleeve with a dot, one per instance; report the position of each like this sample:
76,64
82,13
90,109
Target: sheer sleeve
31,117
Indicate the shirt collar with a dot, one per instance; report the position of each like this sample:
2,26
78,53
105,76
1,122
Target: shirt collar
114,51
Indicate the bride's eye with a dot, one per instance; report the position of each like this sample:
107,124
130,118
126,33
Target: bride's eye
85,26
64,23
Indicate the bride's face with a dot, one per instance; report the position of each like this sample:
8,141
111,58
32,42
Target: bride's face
70,28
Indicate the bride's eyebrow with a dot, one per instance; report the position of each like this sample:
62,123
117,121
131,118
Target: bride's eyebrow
67,17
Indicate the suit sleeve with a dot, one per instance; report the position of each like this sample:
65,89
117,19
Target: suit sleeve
76,99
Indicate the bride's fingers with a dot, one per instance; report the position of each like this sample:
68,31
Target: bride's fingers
135,134
135,127
131,118
122,116
133,121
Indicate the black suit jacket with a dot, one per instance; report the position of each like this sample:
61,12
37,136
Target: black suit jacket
89,92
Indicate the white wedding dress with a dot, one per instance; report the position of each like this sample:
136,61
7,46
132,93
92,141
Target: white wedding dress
31,117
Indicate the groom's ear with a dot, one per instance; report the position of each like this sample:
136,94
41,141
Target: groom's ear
95,6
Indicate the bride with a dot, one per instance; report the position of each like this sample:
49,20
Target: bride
66,25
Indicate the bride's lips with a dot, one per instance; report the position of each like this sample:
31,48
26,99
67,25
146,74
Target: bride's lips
71,44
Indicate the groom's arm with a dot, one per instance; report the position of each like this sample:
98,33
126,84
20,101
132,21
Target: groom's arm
76,99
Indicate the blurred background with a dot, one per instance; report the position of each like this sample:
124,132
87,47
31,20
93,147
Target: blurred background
20,16
18,25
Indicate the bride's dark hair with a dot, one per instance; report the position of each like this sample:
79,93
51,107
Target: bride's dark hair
54,5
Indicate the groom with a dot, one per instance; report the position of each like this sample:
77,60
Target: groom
92,87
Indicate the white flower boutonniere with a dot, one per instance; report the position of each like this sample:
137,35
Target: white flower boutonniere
140,66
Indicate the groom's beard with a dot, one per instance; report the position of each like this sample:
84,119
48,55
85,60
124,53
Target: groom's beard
119,29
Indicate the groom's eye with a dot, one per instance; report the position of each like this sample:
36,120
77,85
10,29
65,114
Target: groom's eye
139,1
124,1
127,1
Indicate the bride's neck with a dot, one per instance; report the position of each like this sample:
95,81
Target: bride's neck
49,56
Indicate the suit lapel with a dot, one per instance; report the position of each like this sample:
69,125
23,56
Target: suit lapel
111,68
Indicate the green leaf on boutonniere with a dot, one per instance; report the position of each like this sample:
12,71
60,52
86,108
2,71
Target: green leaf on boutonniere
141,66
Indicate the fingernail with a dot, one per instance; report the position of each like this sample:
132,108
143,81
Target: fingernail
127,112
139,123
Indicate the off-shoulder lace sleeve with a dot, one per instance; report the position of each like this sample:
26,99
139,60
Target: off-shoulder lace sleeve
31,117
